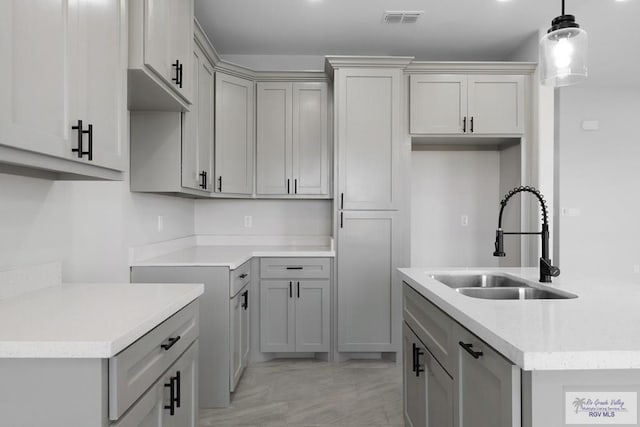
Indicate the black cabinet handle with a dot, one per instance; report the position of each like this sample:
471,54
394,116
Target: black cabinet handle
295,268
471,124
245,304
464,124
203,180
298,290
341,200
178,78
288,186
171,343
243,275
178,387
341,220
295,186
290,289
469,349
413,358
220,183
419,368
172,390
80,148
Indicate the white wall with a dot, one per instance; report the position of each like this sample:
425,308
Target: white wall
269,217
510,177
599,173
446,185
89,226
278,62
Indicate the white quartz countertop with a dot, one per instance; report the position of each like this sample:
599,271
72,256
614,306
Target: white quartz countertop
598,330
86,320
231,256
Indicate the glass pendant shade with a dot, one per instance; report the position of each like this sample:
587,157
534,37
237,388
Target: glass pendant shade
563,53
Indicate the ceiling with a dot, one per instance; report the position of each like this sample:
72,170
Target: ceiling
457,30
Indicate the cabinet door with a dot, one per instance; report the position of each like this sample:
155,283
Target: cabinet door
245,321
98,72
368,124
234,135
437,104
439,391
186,413
34,104
368,298
235,341
414,398
277,316
274,138
310,139
496,104
312,315
487,388
168,34
150,410
197,138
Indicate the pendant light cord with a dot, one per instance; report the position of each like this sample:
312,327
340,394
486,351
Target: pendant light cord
562,7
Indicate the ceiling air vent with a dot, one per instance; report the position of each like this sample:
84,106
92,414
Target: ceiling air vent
401,16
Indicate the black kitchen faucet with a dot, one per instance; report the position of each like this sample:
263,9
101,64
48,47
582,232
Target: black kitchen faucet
547,271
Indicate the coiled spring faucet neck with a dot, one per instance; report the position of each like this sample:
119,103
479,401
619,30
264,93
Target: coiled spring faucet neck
546,269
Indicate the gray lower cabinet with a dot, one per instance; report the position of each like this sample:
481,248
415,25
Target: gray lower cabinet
295,305
487,386
224,341
368,300
151,383
156,407
428,389
451,377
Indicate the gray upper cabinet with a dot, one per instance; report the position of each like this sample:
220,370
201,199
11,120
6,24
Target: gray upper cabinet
292,139
160,54
438,104
85,122
487,386
234,136
197,144
368,255
459,104
368,103
496,104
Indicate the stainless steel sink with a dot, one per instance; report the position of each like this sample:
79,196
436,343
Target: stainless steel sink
513,293
477,280
497,287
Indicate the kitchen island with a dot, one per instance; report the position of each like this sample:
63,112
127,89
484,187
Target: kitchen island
530,363
99,355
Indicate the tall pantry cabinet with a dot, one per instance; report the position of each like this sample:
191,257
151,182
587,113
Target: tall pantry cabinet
368,108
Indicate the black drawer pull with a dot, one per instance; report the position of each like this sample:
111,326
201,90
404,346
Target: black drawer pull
245,304
243,275
469,349
295,268
171,343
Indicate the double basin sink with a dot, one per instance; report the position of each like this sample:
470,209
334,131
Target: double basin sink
498,287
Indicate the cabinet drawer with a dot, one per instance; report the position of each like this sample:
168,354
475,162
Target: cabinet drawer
135,369
295,268
431,325
239,278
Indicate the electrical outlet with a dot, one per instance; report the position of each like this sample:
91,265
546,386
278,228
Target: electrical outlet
248,221
160,222
464,220
571,212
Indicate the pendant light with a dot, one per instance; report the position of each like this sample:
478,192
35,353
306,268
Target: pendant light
563,52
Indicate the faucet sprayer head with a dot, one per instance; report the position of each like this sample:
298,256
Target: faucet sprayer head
499,244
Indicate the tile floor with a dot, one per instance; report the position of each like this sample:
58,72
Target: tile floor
314,393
